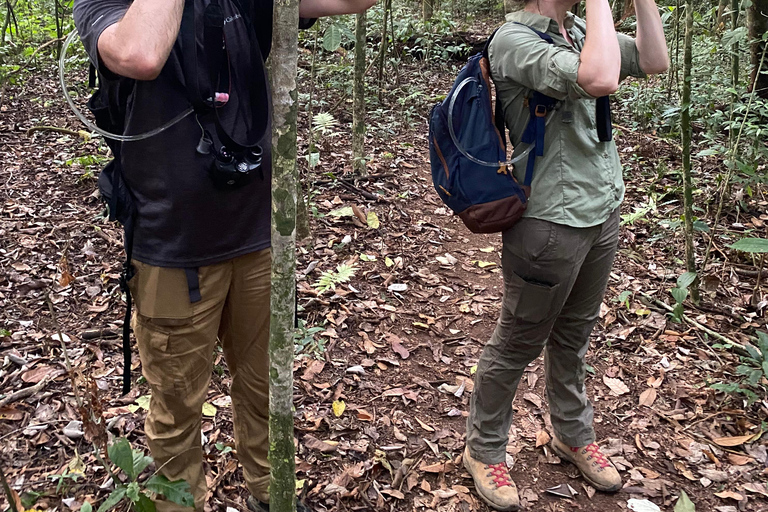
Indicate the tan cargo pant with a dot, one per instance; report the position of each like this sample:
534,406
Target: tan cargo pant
554,281
176,341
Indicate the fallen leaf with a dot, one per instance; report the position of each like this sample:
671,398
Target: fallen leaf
372,220
732,441
642,506
9,413
679,466
487,249
730,494
684,503
314,368
760,488
425,426
739,460
397,345
444,494
363,415
209,410
39,373
442,467
314,443
394,493
338,407
542,438
647,397
616,386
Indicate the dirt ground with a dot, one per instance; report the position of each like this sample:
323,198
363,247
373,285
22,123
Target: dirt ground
400,358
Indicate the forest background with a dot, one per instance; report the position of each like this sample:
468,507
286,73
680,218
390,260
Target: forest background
376,342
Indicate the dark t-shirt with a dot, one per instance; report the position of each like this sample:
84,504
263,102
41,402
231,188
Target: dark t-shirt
183,221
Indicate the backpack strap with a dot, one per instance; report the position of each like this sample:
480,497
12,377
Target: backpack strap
125,276
498,109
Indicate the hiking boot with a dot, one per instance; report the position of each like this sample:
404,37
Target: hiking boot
255,505
593,464
493,483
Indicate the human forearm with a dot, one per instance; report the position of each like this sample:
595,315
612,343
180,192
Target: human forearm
319,8
138,45
651,44
600,58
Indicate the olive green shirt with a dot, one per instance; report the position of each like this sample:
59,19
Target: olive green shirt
578,182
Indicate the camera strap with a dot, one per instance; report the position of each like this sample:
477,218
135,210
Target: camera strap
208,99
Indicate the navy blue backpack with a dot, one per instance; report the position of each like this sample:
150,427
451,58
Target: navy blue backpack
467,148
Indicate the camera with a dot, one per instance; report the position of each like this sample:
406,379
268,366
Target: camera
233,170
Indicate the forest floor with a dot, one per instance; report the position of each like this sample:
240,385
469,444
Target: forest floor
401,358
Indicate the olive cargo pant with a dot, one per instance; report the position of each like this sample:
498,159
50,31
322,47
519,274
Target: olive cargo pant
554,281
176,339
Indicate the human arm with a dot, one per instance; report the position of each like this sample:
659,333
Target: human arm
650,40
138,45
319,8
598,72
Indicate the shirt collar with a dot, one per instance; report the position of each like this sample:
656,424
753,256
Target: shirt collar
539,22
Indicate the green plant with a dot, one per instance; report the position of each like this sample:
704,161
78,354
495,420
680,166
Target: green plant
330,278
680,293
753,371
623,298
304,339
133,462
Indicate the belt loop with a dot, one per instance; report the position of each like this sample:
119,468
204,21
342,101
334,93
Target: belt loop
193,282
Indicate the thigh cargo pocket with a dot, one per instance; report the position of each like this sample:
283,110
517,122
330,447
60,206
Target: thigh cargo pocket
531,301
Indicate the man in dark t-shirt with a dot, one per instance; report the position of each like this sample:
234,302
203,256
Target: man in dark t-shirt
201,254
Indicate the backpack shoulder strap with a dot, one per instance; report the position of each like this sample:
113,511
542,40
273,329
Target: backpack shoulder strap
498,109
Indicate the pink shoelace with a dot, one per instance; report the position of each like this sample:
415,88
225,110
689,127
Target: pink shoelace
499,474
594,451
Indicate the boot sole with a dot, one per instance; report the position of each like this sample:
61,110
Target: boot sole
495,506
594,484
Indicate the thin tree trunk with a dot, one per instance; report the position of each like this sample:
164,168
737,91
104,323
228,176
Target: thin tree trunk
427,8
735,45
358,95
685,121
283,67
383,48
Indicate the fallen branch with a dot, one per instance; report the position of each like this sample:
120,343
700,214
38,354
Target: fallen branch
52,129
23,393
741,349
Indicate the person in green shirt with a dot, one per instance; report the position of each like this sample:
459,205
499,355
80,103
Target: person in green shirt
556,260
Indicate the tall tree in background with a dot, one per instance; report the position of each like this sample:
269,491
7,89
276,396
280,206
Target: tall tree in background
282,68
685,122
758,26
427,9
358,95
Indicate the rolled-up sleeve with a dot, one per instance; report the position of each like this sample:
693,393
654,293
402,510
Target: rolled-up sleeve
630,58
518,54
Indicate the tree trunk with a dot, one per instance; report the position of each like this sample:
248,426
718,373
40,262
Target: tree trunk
283,67
685,128
383,48
735,45
758,26
358,96
427,8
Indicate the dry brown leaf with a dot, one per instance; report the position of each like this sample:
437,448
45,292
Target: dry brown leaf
730,494
647,397
360,214
732,441
394,493
616,386
314,443
757,487
39,373
397,345
425,426
312,370
683,470
399,435
11,414
441,467
542,438
363,415
739,460
425,486
655,382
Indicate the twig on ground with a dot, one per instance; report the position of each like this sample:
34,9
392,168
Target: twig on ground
740,348
66,131
67,362
24,393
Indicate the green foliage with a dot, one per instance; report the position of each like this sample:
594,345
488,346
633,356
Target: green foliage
752,245
680,293
623,298
752,383
133,462
305,342
330,278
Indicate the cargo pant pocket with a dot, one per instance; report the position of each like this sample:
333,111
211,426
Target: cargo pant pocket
159,365
534,302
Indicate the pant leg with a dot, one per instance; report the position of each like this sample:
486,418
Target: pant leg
570,409
176,340
540,261
244,335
